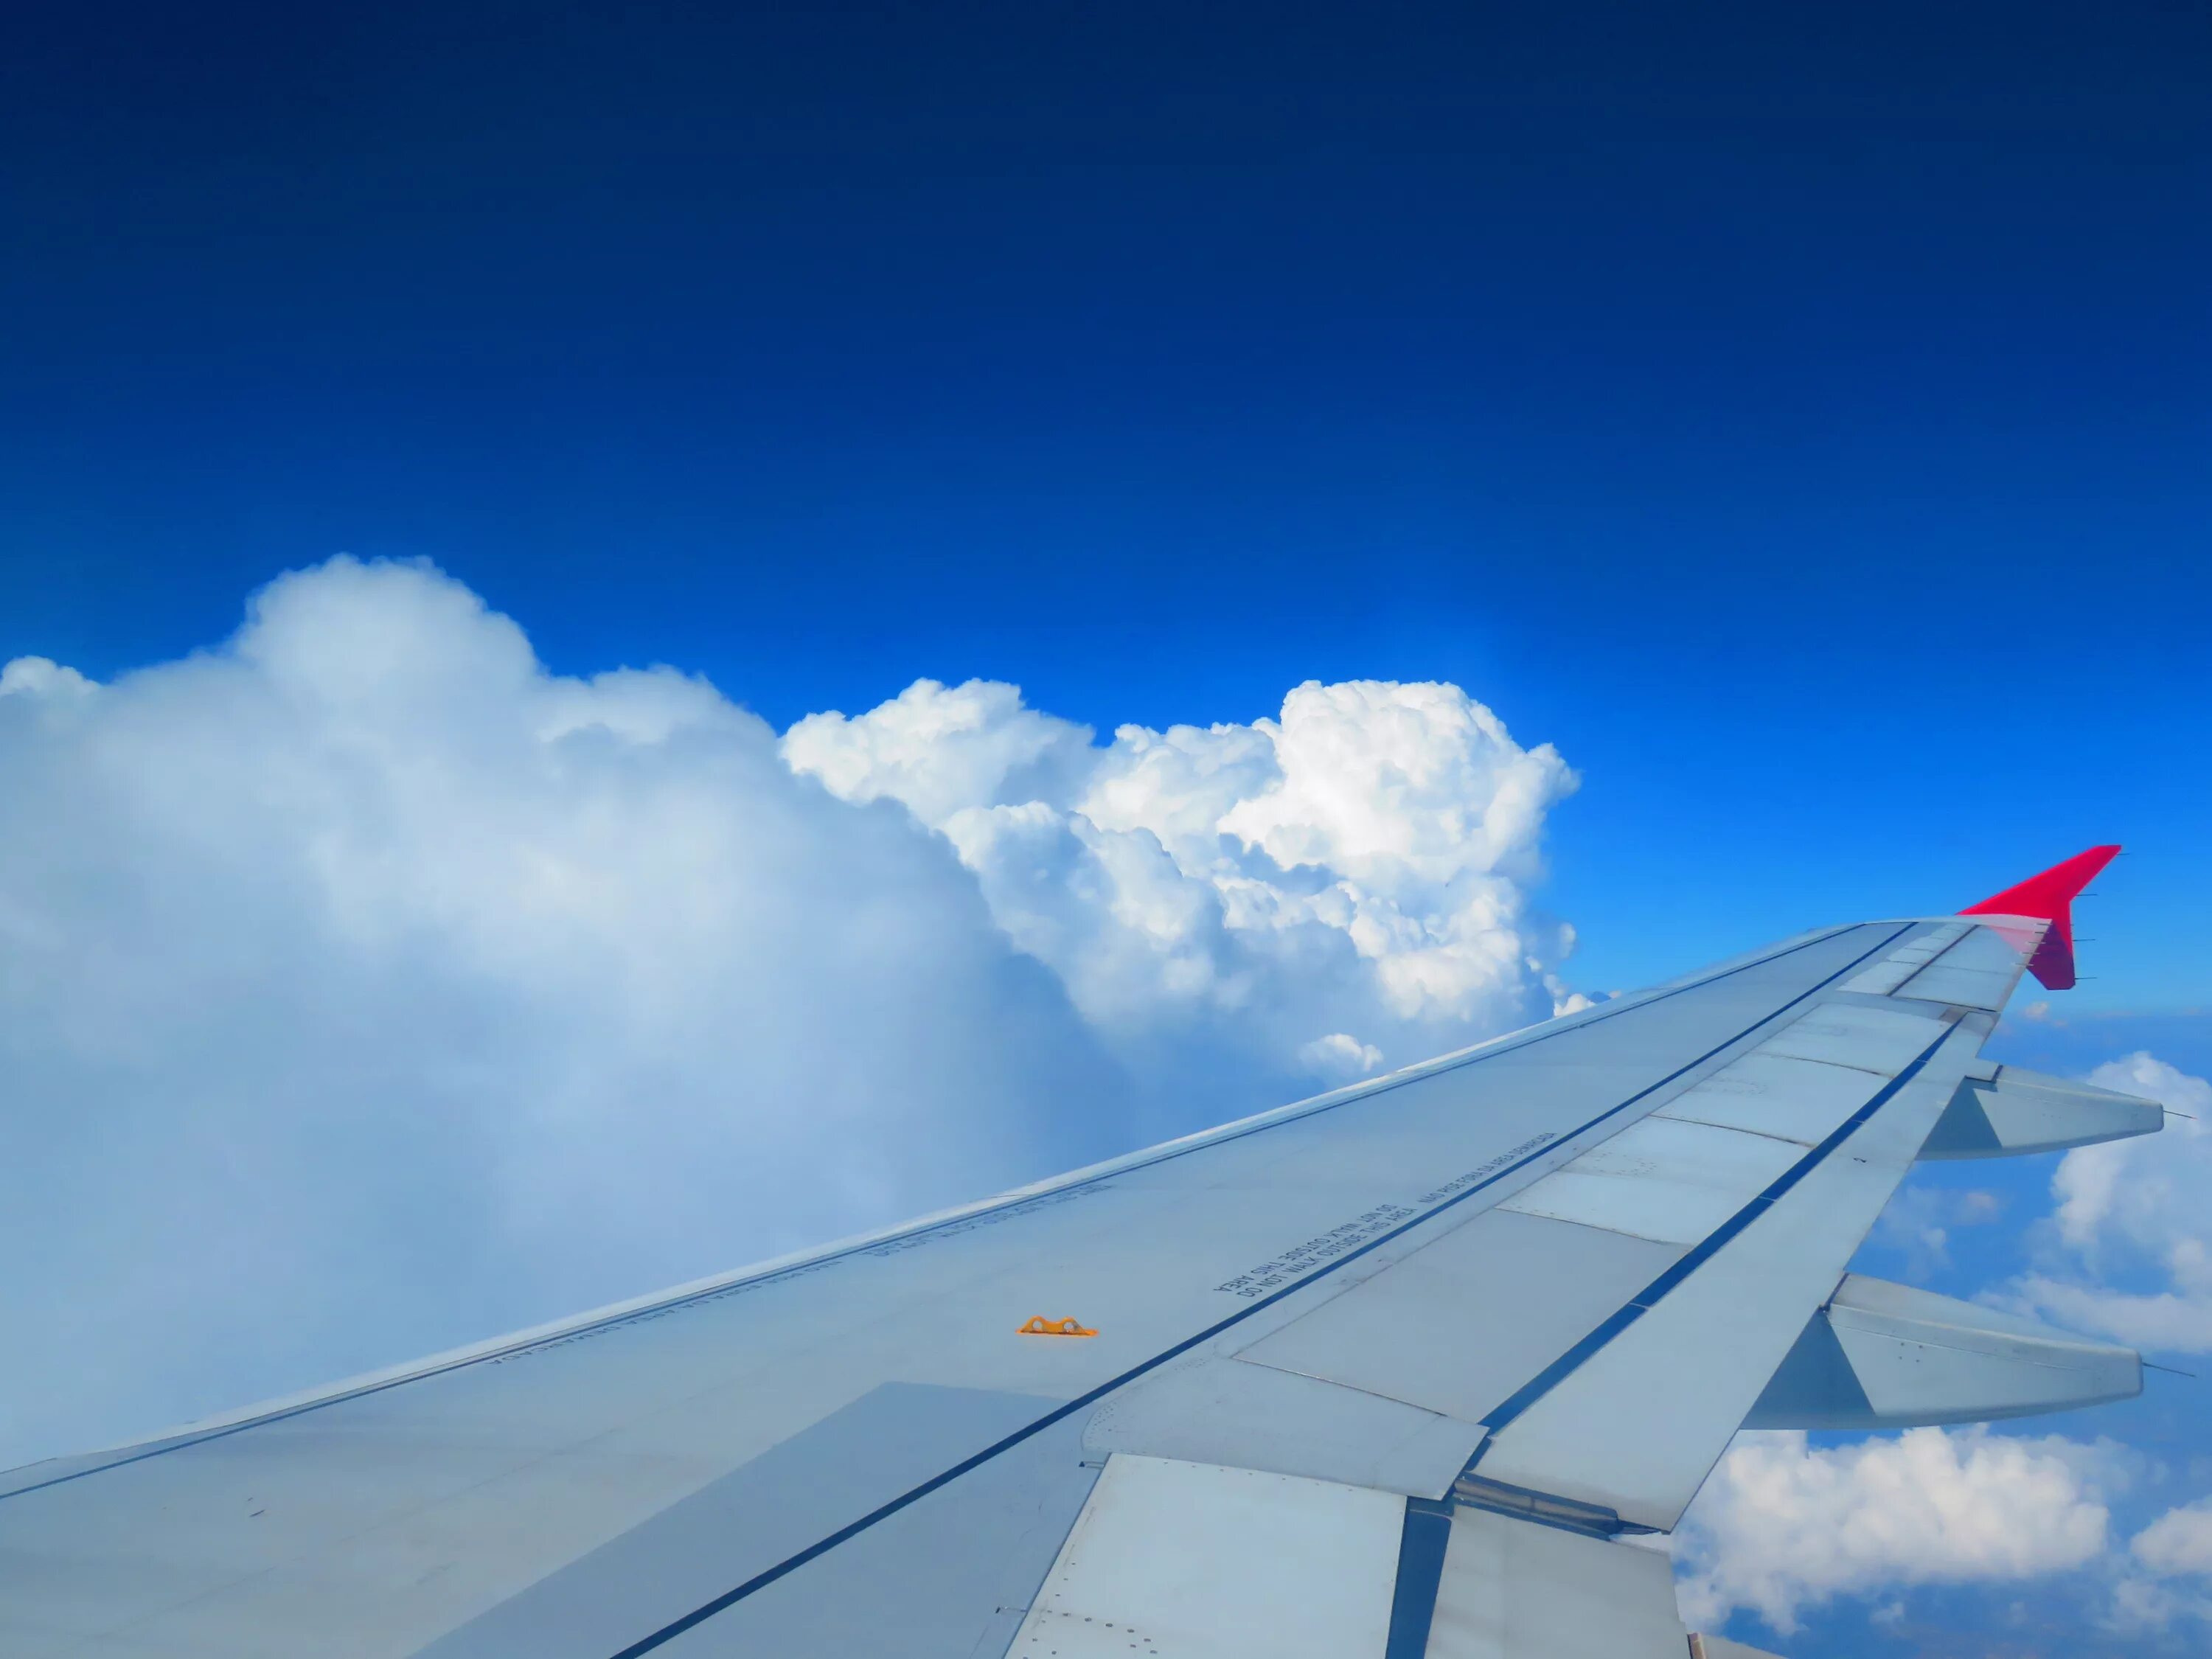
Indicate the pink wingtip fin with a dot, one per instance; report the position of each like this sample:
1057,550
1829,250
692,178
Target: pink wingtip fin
2049,896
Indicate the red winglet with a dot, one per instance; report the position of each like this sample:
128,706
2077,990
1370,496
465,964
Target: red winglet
2049,896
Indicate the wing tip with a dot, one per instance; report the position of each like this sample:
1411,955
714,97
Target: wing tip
2049,895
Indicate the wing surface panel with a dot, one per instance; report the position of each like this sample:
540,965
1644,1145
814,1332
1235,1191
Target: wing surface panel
1770,1094
1004,1515
1513,1242
1693,1350
1893,968
1511,1590
1250,1416
1412,1333
1882,1041
1239,1537
1662,1179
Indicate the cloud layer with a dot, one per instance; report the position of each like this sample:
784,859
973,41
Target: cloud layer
2170,1580
2132,1258
1783,1525
366,987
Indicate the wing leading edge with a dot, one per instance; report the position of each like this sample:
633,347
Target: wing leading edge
1416,1369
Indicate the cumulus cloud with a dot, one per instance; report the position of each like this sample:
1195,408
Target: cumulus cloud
2179,1541
2132,1222
367,988
1783,1525
2170,1582
1346,883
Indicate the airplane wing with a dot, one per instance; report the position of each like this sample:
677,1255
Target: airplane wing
1421,1368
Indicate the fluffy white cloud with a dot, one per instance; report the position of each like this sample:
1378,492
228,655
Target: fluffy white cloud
2179,1541
1783,1525
2172,1581
2130,1208
1360,862
366,987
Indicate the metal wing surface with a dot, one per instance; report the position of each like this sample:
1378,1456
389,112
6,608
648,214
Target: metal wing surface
1405,1370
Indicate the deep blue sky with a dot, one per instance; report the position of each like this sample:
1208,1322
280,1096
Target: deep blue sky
1799,419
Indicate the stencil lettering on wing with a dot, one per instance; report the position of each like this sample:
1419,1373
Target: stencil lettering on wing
1326,1247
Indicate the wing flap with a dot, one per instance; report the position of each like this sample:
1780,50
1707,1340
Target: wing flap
1511,1590
1170,1558
1634,1419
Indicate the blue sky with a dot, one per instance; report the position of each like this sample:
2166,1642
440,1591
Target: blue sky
1799,422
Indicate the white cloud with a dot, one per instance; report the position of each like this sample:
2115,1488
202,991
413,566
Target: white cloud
1339,1055
2172,1576
1782,1526
2158,1321
940,749
2145,1603
2179,1541
2132,1208
1361,862
31,677
366,987
1918,1221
